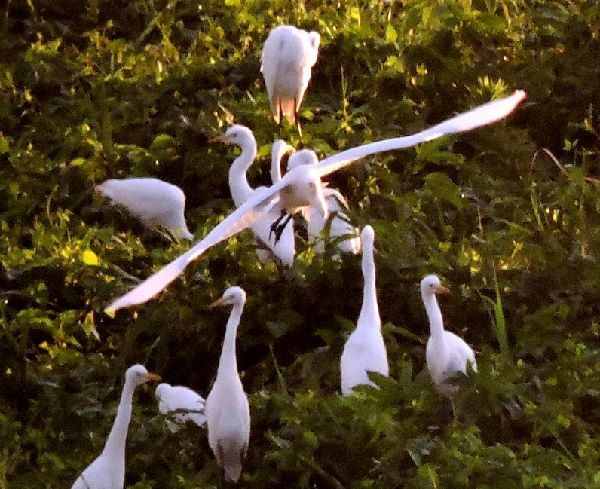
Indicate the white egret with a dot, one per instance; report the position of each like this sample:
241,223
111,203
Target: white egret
336,203
227,411
152,201
288,55
446,352
108,470
364,350
301,186
187,404
285,248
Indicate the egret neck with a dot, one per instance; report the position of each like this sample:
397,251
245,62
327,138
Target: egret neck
115,443
369,312
228,360
238,180
434,314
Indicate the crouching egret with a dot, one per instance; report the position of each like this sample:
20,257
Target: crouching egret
227,411
152,201
285,248
364,350
108,470
187,404
446,352
301,186
288,55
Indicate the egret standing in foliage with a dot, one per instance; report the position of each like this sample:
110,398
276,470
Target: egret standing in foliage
285,248
288,55
188,404
108,470
364,350
301,186
446,352
152,201
227,411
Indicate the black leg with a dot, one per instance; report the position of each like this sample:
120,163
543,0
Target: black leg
280,227
275,225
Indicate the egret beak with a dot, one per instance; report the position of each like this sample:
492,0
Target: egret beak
153,377
218,302
440,289
219,139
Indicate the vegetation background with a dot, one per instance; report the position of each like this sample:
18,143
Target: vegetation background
508,215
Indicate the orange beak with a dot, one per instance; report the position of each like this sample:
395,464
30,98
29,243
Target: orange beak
153,377
219,139
440,289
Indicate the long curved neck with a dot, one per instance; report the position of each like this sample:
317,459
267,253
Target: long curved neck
434,314
370,308
115,443
238,181
228,360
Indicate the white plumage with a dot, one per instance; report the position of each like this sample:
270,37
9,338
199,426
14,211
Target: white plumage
364,350
301,186
446,352
227,411
241,191
108,470
152,201
288,55
336,203
188,404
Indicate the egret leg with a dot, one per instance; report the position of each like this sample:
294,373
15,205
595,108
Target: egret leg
278,226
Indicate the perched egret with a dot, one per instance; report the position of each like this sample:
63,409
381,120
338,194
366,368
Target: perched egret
336,203
364,350
108,470
187,404
227,411
301,186
287,58
152,201
446,352
285,248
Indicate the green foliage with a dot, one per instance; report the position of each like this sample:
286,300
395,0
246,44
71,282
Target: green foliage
509,215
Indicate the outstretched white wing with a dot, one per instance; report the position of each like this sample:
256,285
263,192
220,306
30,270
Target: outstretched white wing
479,116
243,217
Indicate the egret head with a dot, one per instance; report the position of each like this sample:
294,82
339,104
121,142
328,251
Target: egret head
233,296
162,390
431,285
236,134
315,39
302,157
139,375
367,237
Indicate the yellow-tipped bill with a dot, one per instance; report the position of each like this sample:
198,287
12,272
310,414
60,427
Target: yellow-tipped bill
440,289
218,302
219,139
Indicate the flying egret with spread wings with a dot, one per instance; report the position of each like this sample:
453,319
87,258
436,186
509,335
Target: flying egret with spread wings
301,186
288,56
